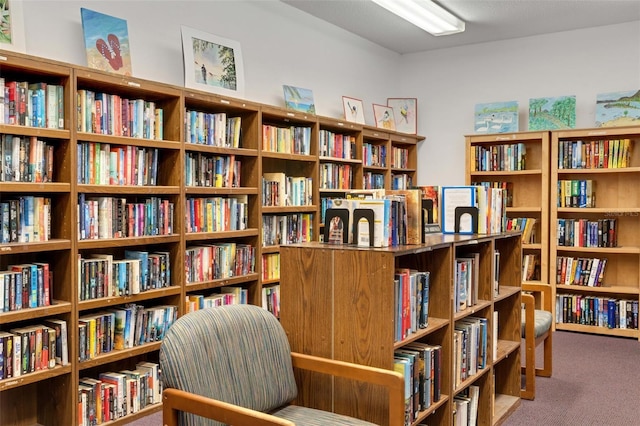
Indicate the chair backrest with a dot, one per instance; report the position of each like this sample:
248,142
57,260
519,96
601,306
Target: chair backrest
237,353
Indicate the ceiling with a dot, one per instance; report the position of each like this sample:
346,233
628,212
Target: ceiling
486,20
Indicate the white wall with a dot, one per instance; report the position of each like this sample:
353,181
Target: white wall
282,45
450,82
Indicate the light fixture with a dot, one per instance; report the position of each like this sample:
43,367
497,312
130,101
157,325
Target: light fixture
424,14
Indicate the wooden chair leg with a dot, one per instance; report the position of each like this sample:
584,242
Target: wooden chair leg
547,367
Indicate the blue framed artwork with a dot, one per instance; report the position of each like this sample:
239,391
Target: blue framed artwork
106,41
618,109
496,117
299,99
552,113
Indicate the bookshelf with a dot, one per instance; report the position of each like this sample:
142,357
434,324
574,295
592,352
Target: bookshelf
222,172
336,304
27,398
613,197
289,151
160,162
493,159
131,129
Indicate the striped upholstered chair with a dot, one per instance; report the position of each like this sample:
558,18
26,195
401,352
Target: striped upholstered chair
233,365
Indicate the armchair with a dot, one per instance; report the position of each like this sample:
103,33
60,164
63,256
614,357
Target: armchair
233,365
537,321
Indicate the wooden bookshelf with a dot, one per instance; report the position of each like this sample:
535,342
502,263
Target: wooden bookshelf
528,186
337,302
27,400
616,195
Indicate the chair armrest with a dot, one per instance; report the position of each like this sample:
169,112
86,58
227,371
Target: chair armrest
392,380
545,294
529,303
174,400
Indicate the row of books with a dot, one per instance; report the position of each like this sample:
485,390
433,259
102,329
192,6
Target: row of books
26,159
106,164
278,189
507,186
271,299
466,407
213,171
219,260
25,219
421,364
587,233
117,394
122,328
411,295
213,129
100,275
286,140
597,311
469,348
337,145
27,285
384,218
401,181
287,229
399,158
526,225
603,154
215,214
223,296
371,180
580,271
503,157
374,155
576,193
108,114
270,266
34,104
112,217
492,209
336,176
37,347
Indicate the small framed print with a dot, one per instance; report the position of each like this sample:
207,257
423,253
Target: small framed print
384,117
353,110
406,114
212,63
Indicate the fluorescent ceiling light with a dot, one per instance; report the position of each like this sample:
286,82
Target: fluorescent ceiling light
424,14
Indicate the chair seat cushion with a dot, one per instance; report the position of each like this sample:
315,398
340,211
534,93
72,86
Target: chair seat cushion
303,416
543,320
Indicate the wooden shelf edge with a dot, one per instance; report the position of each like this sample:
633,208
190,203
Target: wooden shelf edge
155,293
37,376
57,308
117,355
221,282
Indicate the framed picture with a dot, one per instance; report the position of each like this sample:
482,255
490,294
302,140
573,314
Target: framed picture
299,99
212,63
496,117
353,110
106,41
406,114
384,117
12,26
618,108
552,113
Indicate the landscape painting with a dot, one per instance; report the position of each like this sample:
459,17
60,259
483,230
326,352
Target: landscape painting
618,109
299,99
212,63
106,41
496,117
552,113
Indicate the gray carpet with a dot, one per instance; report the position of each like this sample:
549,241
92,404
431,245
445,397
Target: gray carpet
596,381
